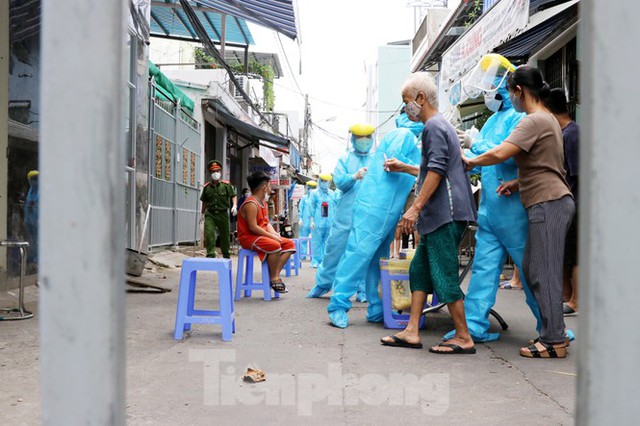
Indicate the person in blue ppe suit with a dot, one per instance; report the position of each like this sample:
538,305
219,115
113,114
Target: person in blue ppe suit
502,221
347,176
31,211
377,209
304,220
321,211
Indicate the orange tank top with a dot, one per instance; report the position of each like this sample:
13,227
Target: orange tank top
262,219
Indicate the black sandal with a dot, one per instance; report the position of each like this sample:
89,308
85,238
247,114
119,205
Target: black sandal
278,286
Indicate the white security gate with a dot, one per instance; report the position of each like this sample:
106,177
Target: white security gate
175,161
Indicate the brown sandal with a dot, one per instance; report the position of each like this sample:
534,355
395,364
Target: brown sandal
549,351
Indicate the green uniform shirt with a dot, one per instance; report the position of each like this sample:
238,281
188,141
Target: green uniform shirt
217,197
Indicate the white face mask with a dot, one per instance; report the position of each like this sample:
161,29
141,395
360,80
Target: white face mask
215,175
491,101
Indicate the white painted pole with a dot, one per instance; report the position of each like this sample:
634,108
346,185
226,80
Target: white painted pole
82,212
608,340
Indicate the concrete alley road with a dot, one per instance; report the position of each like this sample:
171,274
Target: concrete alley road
315,373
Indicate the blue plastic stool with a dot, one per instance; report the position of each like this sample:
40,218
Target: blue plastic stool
393,319
307,241
245,281
294,261
187,315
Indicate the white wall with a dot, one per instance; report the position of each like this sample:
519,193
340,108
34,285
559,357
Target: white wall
4,117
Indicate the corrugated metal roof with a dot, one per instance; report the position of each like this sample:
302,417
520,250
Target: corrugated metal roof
275,14
169,20
24,19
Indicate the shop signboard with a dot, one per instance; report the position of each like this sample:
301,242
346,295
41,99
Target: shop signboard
298,192
503,21
271,171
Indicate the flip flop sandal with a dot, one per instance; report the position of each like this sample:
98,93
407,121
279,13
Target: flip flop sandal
456,350
398,342
278,286
506,285
549,351
568,311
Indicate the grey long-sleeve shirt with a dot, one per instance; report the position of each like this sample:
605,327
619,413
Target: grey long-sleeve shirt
453,199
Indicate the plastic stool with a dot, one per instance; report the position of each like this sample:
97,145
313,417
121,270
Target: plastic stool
294,260
393,319
307,241
187,315
245,264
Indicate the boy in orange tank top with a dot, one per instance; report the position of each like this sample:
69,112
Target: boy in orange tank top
256,233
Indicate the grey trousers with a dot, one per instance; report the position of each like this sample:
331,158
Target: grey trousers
542,262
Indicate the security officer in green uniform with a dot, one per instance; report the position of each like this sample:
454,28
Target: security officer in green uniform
218,196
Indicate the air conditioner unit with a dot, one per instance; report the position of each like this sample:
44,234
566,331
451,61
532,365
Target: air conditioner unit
244,83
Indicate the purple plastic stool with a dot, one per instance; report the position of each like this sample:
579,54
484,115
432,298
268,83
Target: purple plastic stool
187,315
244,276
393,319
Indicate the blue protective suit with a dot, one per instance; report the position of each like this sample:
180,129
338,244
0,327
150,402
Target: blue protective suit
343,178
322,223
303,213
502,228
31,220
377,209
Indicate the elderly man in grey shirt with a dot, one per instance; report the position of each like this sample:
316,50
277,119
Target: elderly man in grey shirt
440,213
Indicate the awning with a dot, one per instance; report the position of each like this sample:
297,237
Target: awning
250,131
22,131
275,14
543,27
303,178
169,20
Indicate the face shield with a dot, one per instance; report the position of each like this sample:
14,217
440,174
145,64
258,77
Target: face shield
489,75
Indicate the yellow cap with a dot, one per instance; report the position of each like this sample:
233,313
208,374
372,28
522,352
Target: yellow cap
312,183
32,173
362,129
491,58
326,176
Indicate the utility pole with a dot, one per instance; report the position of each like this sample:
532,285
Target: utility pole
304,140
